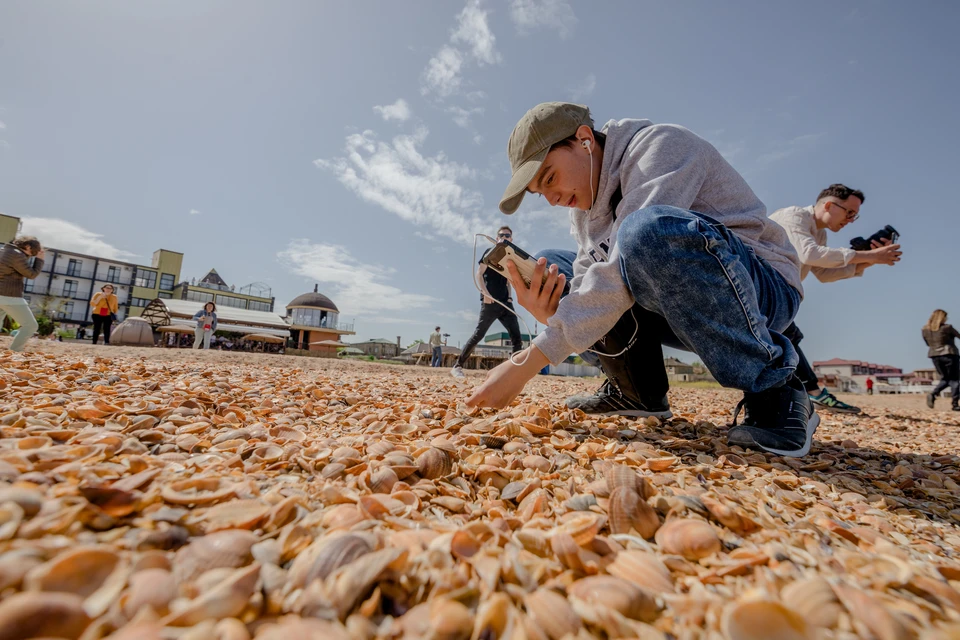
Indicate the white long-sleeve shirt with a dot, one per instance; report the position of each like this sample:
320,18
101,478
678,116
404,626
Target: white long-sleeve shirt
828,264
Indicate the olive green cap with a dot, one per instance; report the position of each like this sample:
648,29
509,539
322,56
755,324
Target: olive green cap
539,129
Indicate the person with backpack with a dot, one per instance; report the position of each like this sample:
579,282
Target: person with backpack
673,248
15,266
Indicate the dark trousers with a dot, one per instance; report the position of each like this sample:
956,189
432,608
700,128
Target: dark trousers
489,313
804,371
101,323
949,369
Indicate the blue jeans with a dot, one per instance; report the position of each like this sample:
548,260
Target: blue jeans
698,287
437,357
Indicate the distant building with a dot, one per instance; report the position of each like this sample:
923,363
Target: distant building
678,371
379,347
850,376
69,279
212,288
502,339
315,319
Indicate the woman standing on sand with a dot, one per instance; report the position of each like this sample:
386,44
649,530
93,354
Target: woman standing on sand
206,320
940,337
14,267
104,305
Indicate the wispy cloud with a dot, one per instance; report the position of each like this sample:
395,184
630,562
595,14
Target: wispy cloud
357,288
789,148
528,15
399,110
471,41
194,212
463,315
584,89
461,116
427,191
60,234
533,223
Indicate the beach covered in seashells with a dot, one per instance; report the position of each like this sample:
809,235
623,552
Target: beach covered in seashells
166,494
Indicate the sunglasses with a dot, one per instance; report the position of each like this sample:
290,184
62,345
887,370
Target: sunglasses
504,235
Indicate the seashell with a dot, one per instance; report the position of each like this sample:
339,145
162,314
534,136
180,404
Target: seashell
871,617
114,502
620,475
11,515
30,500
155,588
624,597
814,599
642,569
493,442
449,620
293,539
380,448
552,613
581,526
661,464
322,558
342,516
236,514
512,490
728,516
266,454
761,620
354,581
229,549
298,628
628,511
197,491
80,571
581,502
15,564
537,462
692,539
382,480
434,463
496,618
227,599
42,615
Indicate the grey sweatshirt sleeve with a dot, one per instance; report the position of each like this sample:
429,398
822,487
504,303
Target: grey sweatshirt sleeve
663,165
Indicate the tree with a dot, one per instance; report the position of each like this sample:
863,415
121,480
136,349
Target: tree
415,343
48,308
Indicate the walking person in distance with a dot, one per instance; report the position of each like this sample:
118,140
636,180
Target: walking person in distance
436,345
940,338
206,320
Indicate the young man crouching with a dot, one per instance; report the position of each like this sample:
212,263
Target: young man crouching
673,248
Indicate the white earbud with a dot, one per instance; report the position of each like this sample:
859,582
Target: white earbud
586,145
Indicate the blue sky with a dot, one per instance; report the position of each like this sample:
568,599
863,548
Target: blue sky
360,144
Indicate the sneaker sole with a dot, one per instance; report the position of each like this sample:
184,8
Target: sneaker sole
636,413
812,425
856,411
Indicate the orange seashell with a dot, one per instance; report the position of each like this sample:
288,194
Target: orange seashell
692,539
434,463
552,613
624,597
642,569
763,620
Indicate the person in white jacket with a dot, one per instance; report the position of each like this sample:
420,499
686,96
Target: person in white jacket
837,206
674,245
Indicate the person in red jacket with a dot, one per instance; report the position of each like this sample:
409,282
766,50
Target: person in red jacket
869,386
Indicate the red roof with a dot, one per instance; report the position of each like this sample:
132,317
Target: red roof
880,368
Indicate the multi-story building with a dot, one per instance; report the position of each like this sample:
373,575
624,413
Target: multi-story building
212,288
69,279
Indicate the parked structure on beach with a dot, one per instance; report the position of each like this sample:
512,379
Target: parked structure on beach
315,326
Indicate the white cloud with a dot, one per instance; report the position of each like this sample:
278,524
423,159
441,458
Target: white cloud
528,15
423,190
584,89
356,288
473,31
194,212
463,315
399,110
796,145
443,73
534,223
463,116
2,125
60,234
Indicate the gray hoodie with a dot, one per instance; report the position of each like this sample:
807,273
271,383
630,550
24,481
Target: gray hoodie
655,164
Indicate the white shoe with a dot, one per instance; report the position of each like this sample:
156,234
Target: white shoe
457,372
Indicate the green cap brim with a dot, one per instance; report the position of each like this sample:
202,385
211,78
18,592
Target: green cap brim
513,195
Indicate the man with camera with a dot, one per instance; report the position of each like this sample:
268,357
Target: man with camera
436,345
496,304
836,207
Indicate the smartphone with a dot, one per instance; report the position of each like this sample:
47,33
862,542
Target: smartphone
505,251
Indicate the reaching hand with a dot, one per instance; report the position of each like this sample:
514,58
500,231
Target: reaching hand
41,254
885,254
506,380
542,302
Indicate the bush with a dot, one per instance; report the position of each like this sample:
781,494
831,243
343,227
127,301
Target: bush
45,326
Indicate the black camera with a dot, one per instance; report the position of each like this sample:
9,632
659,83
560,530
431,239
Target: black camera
446,335
887,233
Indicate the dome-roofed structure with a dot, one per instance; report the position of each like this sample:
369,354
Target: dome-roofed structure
315,319
313,299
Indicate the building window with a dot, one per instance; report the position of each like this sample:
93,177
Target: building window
167,281
113,275
256,305
139,302
65,310
231,301
199,296
165,295
70,289
28,286
73,267
146,279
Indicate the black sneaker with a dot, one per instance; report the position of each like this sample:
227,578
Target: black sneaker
931,399
830,402
781,421
608,401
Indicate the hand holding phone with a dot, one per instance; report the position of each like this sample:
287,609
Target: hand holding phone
526,265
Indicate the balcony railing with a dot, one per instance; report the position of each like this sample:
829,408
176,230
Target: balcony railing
66,270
